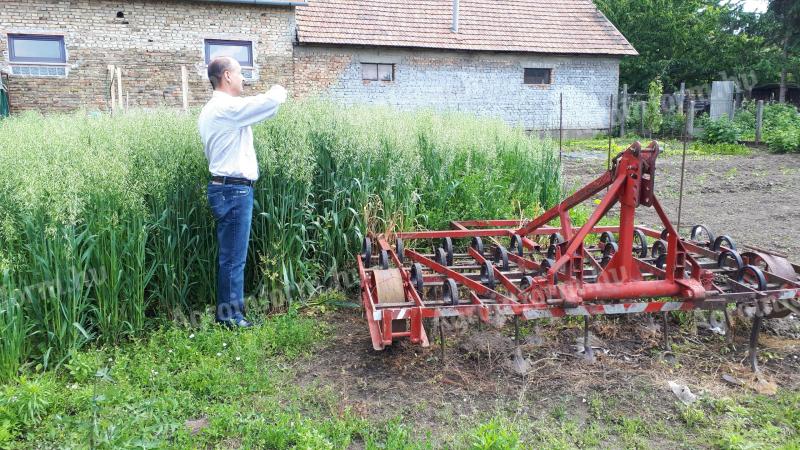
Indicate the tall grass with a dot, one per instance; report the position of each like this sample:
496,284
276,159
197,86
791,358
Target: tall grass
104,221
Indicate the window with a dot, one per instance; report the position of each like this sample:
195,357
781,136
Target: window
241,51
29,48
538,76
375,72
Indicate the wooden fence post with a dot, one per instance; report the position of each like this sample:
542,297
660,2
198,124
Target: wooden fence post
690,120
759,120
624,110
642,106
119,90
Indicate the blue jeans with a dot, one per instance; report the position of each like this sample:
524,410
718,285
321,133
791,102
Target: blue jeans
232,207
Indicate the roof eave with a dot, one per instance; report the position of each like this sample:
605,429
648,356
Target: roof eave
629,52
260,2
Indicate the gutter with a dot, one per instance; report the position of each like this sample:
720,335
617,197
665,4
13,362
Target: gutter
261,2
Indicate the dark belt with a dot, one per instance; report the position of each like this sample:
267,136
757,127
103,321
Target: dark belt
233,180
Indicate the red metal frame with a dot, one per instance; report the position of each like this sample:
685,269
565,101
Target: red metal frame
576,283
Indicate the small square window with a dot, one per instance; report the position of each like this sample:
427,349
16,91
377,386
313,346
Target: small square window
241,51
32,48
538,76
386,72
369,71
375,72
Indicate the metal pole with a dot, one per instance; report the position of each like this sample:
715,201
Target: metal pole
610,128
561,127
624,111
683,168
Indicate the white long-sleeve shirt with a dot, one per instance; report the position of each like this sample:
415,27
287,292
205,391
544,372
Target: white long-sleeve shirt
225,130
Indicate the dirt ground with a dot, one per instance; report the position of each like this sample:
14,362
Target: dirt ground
753,199
476,377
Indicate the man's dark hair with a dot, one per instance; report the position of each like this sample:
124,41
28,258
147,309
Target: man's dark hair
217,68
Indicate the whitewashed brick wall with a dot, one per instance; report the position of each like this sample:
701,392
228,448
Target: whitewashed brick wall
482,83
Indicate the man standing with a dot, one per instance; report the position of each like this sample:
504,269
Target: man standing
227,139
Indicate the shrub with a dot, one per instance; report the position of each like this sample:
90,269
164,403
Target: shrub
783,141
781,126
673,125
720,131
653,117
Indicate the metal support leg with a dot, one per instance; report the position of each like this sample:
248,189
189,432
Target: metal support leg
588,351
441,338
729,326
516,331
753,352
665,326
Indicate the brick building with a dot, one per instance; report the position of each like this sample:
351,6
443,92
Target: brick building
512,59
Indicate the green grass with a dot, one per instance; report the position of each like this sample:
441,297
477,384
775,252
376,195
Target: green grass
104,221
244,386
669,147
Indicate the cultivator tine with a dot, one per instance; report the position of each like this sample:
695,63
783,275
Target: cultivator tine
499,269
729,326
752,352
588,351
441,338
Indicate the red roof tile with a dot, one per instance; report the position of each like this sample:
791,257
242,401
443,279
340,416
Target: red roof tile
538,26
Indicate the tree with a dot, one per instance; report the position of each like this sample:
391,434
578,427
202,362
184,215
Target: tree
684,40
785,15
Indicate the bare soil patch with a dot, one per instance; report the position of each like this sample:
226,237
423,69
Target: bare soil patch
754,199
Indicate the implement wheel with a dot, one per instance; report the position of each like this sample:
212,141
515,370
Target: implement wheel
723,240
516,245
477,244
366,252
702,235
501,258
417,279
447,245
607,237
487,275
659,253
639,244
400,248
450,292
441,256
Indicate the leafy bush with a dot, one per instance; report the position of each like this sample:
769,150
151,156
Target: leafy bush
783,141
720,131
673,125
653,119
781,126
104,221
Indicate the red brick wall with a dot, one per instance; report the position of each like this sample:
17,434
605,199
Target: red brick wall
150,44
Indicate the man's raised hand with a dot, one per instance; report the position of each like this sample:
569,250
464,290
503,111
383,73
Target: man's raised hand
277,93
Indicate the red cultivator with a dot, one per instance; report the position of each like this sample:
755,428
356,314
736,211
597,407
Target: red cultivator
532,270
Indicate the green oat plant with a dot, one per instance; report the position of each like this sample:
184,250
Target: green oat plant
104,222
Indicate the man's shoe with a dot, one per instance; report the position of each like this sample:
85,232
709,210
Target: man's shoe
236,323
